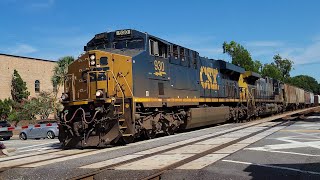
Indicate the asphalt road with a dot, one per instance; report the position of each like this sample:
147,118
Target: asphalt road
292,152
30,145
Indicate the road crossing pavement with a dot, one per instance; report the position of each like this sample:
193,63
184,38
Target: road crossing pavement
31,145
285,152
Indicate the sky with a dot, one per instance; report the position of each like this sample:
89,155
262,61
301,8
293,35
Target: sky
50,29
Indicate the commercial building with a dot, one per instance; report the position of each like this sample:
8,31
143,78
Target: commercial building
35,72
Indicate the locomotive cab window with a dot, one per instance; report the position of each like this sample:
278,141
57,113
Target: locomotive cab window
136,43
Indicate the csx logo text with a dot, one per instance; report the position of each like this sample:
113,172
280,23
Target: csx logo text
208,78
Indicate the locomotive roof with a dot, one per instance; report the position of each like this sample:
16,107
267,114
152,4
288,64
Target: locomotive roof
112,35
225,66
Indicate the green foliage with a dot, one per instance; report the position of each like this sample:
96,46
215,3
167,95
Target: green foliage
44,104
20,111
59,73
18,88
271,70
241,56
284,65
306,82
279,69
5,108
257,66
60,70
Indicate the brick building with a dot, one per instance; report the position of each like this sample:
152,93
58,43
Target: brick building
35,72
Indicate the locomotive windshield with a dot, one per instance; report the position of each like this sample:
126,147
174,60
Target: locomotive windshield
128,44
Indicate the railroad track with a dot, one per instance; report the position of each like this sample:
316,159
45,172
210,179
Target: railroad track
250,129
264,126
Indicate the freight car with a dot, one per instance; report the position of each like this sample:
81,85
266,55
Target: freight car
129,84
309,98
317,100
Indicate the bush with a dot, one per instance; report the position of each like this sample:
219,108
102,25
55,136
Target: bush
5,108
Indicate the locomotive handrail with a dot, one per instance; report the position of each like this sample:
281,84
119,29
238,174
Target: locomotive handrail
119,87
72,85
127,84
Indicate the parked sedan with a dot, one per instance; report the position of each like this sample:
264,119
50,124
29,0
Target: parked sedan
44,129
5,135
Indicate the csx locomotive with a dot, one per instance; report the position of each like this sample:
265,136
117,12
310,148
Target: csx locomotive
129,84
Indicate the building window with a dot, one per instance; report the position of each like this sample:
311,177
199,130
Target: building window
37,86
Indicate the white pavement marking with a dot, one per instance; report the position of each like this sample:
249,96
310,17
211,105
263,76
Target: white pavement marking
203,161
37,145
154,162
111,161
25,155
37,149
18,162
292,143
285,152
274,167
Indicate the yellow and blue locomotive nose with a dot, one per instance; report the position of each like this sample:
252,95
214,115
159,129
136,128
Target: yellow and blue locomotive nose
97,75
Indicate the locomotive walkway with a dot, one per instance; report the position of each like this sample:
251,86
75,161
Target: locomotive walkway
286,149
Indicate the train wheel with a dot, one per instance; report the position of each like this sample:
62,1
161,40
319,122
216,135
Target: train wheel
149,134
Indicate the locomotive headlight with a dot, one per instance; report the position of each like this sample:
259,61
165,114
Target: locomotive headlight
92,57
92,62
99,93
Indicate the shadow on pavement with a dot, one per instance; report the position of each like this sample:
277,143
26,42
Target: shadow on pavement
284,171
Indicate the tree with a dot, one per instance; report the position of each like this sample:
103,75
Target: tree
61,70
284,65
257,66
59,73
271,70
305,82
240,56
22,111
18,88
44,104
